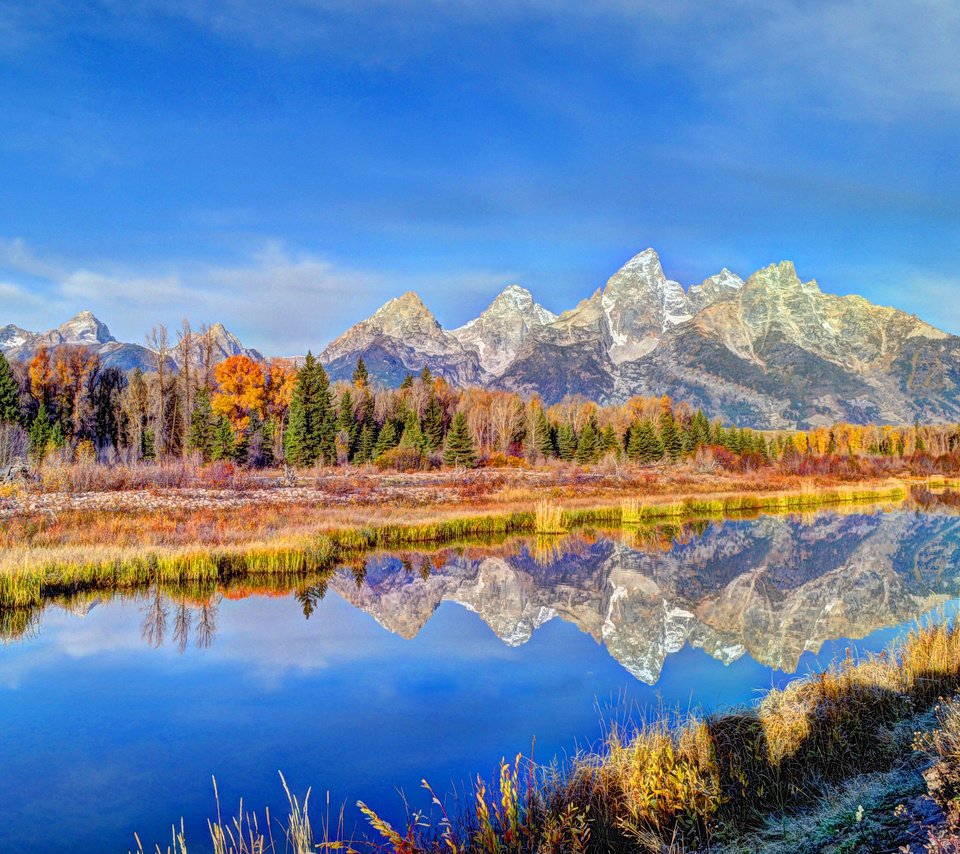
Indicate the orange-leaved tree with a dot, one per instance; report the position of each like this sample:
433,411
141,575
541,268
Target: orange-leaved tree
241,391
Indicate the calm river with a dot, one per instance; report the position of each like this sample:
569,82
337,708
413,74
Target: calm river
116,713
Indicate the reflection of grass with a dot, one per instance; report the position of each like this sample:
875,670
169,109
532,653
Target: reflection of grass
681,786
98,562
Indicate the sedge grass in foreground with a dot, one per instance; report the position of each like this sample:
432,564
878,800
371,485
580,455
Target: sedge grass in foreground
684,786
103,567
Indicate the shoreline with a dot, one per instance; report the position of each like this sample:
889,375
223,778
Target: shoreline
63,556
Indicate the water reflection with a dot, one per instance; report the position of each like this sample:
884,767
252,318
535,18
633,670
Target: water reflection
772,588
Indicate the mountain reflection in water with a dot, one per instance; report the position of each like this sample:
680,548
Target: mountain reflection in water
771,588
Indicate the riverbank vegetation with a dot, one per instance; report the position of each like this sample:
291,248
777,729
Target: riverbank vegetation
734,782
40,556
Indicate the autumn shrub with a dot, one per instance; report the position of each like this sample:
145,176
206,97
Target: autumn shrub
401,459
218,475
498,460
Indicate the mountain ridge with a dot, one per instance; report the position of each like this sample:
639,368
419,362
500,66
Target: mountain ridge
770,350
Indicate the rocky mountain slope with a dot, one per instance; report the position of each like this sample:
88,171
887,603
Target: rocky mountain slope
773,588
771,351
86,330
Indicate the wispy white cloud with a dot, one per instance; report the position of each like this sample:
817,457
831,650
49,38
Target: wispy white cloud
281,301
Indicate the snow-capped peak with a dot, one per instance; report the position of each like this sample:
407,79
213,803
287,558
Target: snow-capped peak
13,336
85,328
499,332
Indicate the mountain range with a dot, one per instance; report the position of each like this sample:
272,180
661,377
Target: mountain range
770,351
20,345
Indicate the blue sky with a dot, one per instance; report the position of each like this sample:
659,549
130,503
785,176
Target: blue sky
287,166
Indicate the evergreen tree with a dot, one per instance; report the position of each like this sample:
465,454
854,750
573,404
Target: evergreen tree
311,431
9,394
608,440
426,377
644,445
57,438
412,436
433,424
365,444
224,445
697,433
386,440
407,382
566,442
459,449
39,434
588,445
360,377
347,419
670,436
202,426
148,447
543,435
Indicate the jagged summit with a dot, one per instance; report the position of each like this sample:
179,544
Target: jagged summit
771,351
499,333
83,328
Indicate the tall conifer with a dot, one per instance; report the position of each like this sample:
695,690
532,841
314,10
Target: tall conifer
9,394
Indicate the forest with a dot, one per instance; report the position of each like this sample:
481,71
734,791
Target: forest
65,407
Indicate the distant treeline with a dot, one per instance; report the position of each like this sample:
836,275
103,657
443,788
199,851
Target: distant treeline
65,404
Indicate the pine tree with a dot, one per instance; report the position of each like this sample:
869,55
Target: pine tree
412,436
57,438
609,441
670,436
202,426
644,445
224,445
365,444
347,419
459,449
360,377
324,418
39,435
433,424
9,394
407,382
426,377
386,440
697,432
311,430
588,445
543,435
148,447
566,442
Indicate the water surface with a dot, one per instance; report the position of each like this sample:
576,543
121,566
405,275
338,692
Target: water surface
115,713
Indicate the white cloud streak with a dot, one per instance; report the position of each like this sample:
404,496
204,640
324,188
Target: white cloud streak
279,301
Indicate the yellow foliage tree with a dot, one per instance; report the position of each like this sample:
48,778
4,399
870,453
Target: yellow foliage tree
241,391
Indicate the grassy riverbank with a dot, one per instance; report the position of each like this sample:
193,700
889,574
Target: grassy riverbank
780,775
44,557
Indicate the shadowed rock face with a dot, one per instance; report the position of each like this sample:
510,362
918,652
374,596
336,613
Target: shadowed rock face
772,588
